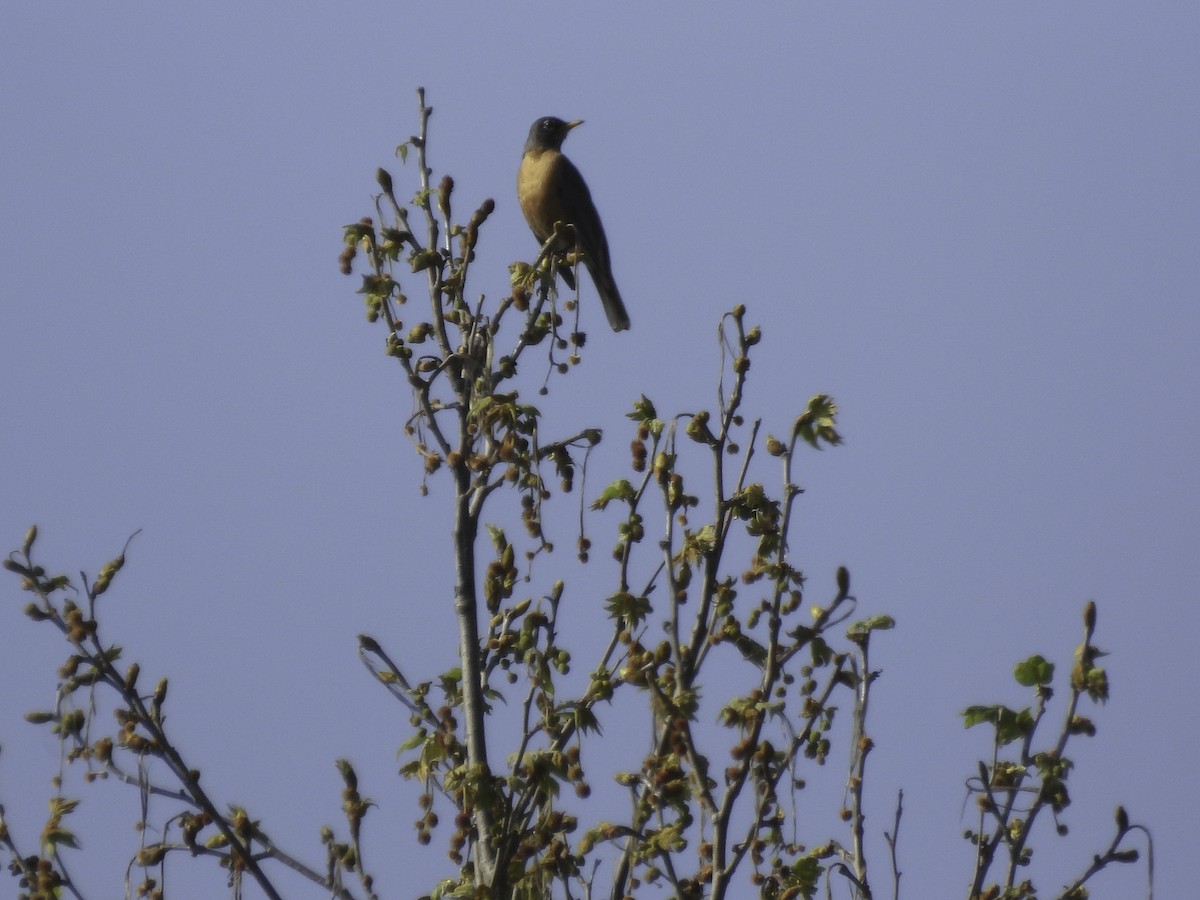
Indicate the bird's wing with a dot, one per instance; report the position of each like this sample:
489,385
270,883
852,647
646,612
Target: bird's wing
572,202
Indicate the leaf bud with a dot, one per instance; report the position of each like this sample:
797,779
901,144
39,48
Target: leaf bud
843,580
485,209
445,188
369,644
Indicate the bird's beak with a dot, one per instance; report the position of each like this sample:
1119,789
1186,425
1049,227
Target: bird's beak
571,125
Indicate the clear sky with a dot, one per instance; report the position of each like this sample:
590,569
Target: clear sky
975,224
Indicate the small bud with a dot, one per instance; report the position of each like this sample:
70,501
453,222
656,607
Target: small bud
369,644
485,209
152,855
107,572
843,580
384,178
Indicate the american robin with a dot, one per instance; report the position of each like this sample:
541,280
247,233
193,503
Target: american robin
550,189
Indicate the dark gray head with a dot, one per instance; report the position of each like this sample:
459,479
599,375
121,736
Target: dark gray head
548,133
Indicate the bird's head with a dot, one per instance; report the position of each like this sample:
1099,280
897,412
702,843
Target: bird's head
548,133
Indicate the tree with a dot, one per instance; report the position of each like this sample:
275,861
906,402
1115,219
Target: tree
708,622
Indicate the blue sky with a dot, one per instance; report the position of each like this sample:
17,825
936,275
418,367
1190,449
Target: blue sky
976,225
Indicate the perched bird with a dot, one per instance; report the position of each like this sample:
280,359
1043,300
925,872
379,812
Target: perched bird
550,189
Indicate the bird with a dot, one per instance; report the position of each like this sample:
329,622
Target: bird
550,189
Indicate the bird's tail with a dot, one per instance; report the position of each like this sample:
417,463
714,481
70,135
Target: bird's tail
610,297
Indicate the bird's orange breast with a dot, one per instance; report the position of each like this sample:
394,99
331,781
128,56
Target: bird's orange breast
536,192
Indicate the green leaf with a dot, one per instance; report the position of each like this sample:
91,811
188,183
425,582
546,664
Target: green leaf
751,650
499,541
645,414
804,875
822,653
643,409
357,232
377,286
415,741
977,715
1034,671
585,718
624,605
60,837
620,489
425,259
875,623
1011,725
817,423
61,806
